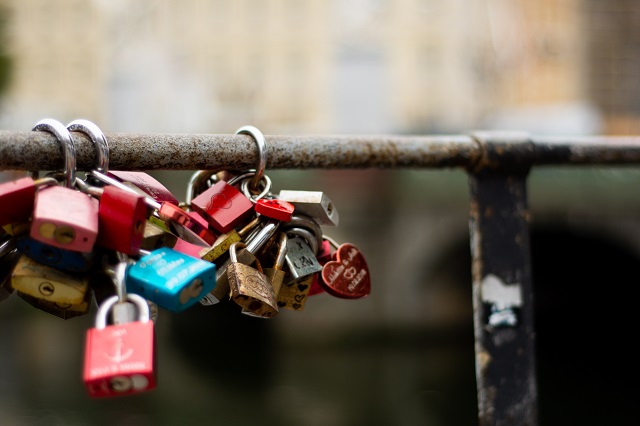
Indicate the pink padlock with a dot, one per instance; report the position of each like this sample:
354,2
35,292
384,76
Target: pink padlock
65,218
120,359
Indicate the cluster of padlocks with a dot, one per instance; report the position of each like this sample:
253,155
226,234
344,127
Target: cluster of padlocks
122,241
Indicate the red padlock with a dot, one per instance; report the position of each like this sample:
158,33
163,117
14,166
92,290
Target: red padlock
122,219
275,209
19,196
223,206
347,275
65,218
120,359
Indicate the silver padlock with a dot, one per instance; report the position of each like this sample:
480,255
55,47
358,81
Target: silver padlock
300,260
315,204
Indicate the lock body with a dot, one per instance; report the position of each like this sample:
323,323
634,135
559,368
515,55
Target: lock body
223,206
20,195
122,218
120,359
65,218
173,280
64,260
50,284
315,204
60,310
251,289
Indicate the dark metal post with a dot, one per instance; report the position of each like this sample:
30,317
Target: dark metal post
502,283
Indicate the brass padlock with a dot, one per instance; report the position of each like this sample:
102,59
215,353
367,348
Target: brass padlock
250,287
61,310
45,282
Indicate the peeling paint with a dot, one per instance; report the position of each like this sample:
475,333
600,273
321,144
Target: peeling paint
496,292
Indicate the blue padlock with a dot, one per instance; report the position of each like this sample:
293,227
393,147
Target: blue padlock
172,280
55,257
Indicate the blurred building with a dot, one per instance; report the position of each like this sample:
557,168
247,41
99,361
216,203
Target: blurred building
294,66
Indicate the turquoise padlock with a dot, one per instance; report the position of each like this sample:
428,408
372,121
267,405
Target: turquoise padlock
172,280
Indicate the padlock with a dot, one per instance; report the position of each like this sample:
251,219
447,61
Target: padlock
250,287
65,218
146,183
276,274
293,295
20,194
347,275
247,256
300,259
274,208
156,236
60,310
122,216
315,204
223,206
180,222
303,225
120,359
45,282
9,256
46,254
173,280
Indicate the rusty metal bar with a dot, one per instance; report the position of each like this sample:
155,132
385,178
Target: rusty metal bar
502,282
30,150
41,151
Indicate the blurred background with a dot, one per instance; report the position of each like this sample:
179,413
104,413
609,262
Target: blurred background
404,355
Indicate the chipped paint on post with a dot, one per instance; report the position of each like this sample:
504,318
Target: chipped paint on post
502,298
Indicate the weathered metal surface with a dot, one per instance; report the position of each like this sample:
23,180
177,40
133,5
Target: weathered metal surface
41,151
502,283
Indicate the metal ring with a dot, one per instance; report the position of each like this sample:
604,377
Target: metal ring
262,152
244,186
68,148
97,137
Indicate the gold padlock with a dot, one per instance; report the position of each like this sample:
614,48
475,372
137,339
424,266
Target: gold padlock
44,282
61,310
250,287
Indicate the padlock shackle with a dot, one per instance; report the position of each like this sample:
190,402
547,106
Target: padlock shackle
68,148
103,310
232,251
258,137
307,222
306,235
97,137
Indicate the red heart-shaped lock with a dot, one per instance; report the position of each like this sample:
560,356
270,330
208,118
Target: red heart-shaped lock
274,208
348,275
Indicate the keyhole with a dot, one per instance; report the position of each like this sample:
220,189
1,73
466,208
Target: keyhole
139,227
121,384
64,234
329,208
46,288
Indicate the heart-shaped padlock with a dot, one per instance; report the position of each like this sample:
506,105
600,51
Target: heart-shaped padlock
347,276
